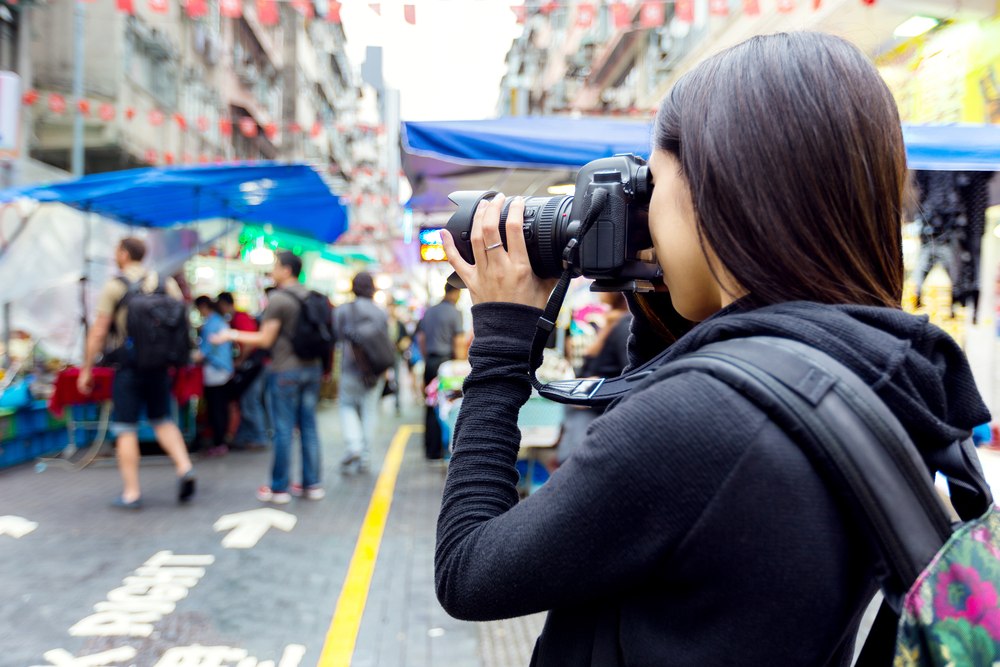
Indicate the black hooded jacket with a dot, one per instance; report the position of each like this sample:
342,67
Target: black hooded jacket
687,529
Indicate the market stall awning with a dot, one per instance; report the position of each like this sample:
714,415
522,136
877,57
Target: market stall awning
526,154
290,197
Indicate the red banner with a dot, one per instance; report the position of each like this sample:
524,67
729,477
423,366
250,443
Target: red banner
181,121
30,97
751,7
202,124
57,103
159,6
232,9
226,127
316,129
196,8
410,14
150,155
621,14
155,117
684,10
294,128
786,6
584,15
125,7
333,14
248,126
129,113
271,131
106,112
718,7
267,12
83,106
168,157
651,15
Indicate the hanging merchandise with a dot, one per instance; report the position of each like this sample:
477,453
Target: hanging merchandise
377,8
181,121
155,117
584,15
786,6
196,9
271,131
106,112
651,15
751,7
30,97
684,10
83,106
620,10
333,13
410,14
248,126
125,7
202,124
57,103
159,6
304,7
226,127
267,12
520,13
232,9
718,7
150,156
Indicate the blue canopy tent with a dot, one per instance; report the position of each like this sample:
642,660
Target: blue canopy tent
526,154
294,197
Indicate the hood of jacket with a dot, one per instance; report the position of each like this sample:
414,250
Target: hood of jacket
917,369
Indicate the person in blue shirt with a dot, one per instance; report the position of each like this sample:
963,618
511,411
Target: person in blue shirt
217,366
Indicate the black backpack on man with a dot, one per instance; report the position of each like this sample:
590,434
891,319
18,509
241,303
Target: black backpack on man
159,334
374,351
313,337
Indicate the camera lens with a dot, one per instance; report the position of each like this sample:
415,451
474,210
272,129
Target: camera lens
545,228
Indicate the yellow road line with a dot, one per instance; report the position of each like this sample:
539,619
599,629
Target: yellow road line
340,639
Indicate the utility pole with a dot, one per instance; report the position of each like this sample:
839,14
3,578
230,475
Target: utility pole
76,159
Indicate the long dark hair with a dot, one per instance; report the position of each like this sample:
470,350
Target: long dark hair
793,151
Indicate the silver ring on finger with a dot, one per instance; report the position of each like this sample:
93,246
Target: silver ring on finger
495,245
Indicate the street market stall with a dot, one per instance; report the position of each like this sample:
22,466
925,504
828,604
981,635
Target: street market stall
56,242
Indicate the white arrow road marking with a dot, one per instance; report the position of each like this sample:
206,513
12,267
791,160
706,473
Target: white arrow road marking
16,526
251,525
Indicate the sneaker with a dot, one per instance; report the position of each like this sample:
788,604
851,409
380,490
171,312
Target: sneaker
185,486
295,489
266,495
315,493
348,459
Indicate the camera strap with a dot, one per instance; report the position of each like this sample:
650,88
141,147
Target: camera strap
571,259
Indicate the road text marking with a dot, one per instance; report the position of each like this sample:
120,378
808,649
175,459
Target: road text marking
343,633
251,525
15,526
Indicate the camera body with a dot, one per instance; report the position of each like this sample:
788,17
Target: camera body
617,249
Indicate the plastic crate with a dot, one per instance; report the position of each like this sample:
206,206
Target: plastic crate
32,419
21,449
8,424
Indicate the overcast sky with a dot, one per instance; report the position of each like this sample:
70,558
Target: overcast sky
448,66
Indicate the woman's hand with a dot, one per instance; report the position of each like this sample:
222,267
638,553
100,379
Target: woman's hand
498,274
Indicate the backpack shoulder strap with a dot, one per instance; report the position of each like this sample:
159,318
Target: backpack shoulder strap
852,439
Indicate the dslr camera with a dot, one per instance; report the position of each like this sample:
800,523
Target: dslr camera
616,251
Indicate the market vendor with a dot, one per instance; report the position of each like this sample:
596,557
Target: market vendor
134,390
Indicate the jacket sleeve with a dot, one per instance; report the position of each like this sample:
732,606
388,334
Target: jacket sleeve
604,520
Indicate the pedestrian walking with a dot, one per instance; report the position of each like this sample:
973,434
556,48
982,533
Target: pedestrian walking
360,388
441,338
124,316
248,382
292,321
217,370
689,528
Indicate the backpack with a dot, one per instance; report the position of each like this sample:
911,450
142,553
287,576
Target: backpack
313,337
374,351
158,328
939,581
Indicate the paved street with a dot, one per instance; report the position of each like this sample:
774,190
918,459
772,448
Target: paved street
272,601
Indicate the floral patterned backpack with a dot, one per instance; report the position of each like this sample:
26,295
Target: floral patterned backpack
941,582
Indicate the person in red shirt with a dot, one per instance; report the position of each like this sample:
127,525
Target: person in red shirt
252,432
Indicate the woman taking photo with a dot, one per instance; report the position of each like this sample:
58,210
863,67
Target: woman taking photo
689,529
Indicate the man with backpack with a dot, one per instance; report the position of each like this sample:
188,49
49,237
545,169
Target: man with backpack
297,326
368,351
142,325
